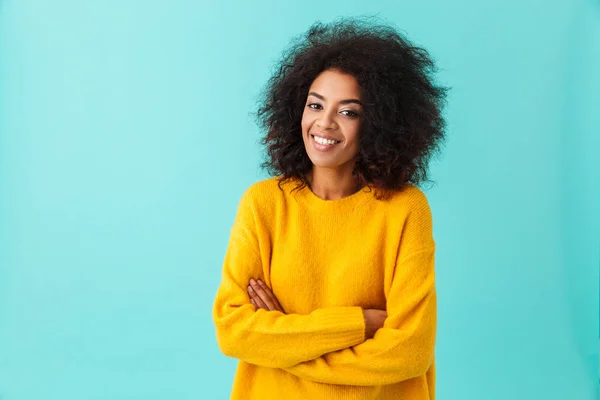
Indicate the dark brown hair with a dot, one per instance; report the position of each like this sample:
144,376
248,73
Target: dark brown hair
403,124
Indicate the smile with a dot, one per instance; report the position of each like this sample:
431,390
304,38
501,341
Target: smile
322,144
325,142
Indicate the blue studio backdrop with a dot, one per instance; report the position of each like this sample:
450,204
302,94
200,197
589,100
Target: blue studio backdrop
126,141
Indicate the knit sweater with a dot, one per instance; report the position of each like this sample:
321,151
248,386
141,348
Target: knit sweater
325,261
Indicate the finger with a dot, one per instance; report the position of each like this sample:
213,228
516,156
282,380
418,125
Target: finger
272,297
252,296
259,302
271,294
268,292
264,296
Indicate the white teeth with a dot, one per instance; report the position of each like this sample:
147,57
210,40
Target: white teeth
321,140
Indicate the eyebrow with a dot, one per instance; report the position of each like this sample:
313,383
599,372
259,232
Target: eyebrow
347,101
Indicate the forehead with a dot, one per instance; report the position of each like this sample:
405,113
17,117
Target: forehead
336,85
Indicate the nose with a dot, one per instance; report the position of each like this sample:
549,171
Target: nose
326,121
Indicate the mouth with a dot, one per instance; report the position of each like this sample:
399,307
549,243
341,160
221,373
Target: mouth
322,144
325,141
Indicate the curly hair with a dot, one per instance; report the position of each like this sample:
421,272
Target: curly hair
403,124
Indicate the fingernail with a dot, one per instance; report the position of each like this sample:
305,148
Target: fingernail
250,289
252,281
260,282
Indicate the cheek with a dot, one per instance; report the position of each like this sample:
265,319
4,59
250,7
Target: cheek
353,133
305,123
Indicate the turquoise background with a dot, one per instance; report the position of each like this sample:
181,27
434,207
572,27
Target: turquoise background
126,141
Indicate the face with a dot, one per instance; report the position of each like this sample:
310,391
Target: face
331,120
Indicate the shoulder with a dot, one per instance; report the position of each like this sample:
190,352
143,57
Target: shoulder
265,187
266,194
410,209
411,199
261,201
266,190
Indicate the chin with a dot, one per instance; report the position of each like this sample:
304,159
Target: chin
325,165
324,162
331,160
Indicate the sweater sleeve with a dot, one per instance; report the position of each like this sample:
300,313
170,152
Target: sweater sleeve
403,348
271,338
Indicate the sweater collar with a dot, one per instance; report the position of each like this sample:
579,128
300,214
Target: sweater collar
307,197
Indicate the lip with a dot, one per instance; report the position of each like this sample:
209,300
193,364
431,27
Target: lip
322,147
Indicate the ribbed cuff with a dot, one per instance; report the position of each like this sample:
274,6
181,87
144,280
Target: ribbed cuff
346,325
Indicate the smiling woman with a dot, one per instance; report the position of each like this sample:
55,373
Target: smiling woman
328,286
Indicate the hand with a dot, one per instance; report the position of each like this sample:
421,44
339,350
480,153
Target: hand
374,320
262,297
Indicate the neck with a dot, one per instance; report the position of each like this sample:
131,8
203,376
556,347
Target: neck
332,183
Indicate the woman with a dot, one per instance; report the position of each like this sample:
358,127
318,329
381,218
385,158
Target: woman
328,282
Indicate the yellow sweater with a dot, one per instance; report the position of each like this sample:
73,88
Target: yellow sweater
325,261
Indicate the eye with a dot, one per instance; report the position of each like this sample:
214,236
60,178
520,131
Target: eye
314,106
350,113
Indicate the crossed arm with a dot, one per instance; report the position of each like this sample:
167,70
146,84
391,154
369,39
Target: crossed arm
252,326
400,350
261,296
272,338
